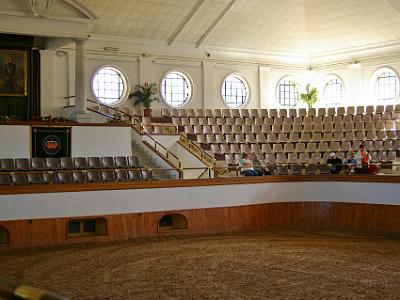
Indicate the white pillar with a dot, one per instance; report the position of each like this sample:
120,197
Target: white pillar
208,84
80,79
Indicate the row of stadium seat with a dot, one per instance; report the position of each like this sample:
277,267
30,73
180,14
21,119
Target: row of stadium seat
68,163
279,121
321,147
301,112
295,128
41,177
308,158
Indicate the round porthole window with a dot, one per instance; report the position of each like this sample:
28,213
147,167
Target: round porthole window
109,85
176,89
235,91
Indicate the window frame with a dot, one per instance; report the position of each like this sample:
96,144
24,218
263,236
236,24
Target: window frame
82,233
327,79
125,81
298,87
246,85
373,81
189,80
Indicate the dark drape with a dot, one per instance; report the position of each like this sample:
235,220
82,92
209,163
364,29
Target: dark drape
23,108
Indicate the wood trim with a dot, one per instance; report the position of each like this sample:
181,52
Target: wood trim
59,188
369,218
64,124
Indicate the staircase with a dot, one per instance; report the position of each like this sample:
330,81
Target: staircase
147,160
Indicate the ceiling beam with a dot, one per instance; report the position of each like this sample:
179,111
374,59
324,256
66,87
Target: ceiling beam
395,4
215,23
185,21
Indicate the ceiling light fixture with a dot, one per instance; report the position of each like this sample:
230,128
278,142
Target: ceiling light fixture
111,49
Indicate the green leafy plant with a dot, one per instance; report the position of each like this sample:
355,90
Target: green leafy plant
310,97
143,95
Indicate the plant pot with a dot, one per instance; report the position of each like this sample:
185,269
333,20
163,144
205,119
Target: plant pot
147,112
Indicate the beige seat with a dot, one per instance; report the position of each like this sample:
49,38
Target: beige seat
278,121
224,148
260,138
282,137
219,138
308,120
226,129
235,113
348,127
249,138
226,113
323,147
188,129
315,158
201,139
249,121
240,139
334,146
392,135
288,147
338,136
297,120
266,148
377,145
347,119
381,135
359,126
268,120
254,113
327,136
216,129
193,121
328,127
230,121
210,138
360,135
220,121
297,128
305,137
282,113
244,113
255,148
345,146
258,121
287,121
350,110
202,121
256,129
269,159
234,148
198,112
308,128
215,148
208,113
321,111
360,110
237,129
292,113
302,112
312,112
311,147
217,113
207,129
264,113
331,111
165,112
370,109
292,158
369,126
239,121
281,158
286,128
294,137
318,127
276,128
266,128
338,128
304,158
300,147
176,121
391,156
340,111
230,138
273,113
388,145
272,138
245,148
316,136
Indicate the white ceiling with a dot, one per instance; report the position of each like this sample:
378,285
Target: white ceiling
307,28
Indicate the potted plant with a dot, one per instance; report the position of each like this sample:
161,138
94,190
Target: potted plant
310,97
143,96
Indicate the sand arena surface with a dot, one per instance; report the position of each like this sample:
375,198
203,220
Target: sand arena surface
266,265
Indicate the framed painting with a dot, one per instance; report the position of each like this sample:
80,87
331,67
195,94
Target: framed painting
13,73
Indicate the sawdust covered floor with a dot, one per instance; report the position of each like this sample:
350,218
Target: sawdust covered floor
267,265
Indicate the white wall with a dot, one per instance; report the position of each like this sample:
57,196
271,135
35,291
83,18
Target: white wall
92,203
15,141
101,141
206,75
85,141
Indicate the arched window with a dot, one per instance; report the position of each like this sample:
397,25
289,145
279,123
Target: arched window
109,85
333,92
287,93
4,236
172,222
234,91
176,89
387,86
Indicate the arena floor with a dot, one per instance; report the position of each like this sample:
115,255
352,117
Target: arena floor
266,265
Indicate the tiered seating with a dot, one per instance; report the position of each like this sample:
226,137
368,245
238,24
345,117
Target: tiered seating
71,170
293,136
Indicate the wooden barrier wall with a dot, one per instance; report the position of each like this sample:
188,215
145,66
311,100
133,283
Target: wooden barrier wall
369,218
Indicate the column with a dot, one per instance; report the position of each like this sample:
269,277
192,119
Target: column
208,84
80,79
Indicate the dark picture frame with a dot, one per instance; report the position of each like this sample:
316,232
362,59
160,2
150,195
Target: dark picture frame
13,73
51,142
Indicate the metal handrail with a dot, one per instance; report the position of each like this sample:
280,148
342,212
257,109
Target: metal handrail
198,148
